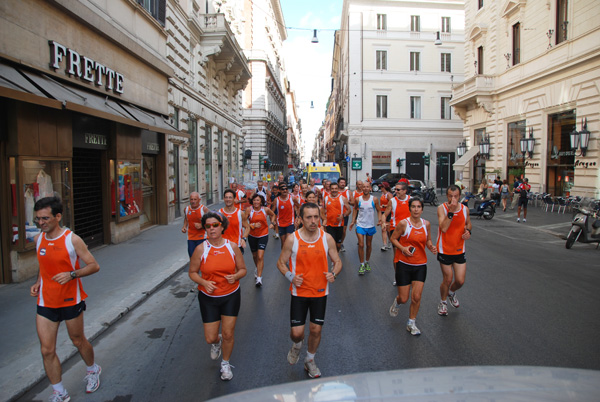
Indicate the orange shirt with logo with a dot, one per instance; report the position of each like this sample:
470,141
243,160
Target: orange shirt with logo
451,242
215,263
234,229
195,216
285,211
400,210
259,216
310,260
56,256
416,237
334,207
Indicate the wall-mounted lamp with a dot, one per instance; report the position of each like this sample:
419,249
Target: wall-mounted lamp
527,144
315,39
549,35
580,139
507,57
438,41
484,147
461,149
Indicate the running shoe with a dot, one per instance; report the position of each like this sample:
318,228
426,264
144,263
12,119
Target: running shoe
215,349
311,368
361,269
442,308
276,236
524,220
395,308
384,247
518,219
294,354
255,273
453,300
226,373
92,380
258,282
394,283
412,328
367,267
342,249
58,397
389,246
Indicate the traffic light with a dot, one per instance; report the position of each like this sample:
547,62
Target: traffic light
398,162
269,163
426,159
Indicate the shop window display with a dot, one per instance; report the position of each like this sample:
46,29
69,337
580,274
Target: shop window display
32,180
126,189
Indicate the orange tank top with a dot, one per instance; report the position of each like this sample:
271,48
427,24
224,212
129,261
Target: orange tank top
259,216
400,210
234,229
195,216
416,237
55,256
217,262
383,202
334,207
451,242
310,260
285,212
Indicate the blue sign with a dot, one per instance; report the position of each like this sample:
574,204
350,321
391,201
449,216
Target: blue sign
347,159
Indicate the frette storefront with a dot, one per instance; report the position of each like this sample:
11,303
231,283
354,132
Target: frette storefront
82,118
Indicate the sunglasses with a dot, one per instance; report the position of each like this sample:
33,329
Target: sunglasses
42,218
213,225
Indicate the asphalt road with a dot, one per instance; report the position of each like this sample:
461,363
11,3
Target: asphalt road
527,301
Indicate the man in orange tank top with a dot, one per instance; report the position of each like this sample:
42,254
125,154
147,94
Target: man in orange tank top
454,229
335,209
306,252
192,224
60,295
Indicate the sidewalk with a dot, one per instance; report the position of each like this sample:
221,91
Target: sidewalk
129,273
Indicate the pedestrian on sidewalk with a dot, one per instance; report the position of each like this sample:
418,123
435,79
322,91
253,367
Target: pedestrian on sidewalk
259,233
411,237
306,252
192,222
60,294
454,229
505,193
523,191
515,194
365,213
217,266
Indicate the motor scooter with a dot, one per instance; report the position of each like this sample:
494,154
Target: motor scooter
481,208
428,195
580,231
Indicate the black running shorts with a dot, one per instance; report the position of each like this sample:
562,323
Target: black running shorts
407,274
258,243
449,259
61,313
300,307
336,232
212,308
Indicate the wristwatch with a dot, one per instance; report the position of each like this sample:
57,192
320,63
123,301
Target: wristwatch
450,215
244,239
334,276
73,275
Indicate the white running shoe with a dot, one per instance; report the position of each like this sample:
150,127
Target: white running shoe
384,247
395,308
518,219
311,368
524,220
226,373
276,236
258,282
92,380
294,354
342,249
412,328
215,349
389,246
453,300
58,397
443,308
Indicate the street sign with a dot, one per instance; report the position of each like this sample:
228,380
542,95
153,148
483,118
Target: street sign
356,163
347,159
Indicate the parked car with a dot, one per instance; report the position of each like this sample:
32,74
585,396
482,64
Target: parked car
389,178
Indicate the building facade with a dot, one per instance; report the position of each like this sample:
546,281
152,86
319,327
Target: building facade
293,130
532,73
84,105
394,65
205,99
264,101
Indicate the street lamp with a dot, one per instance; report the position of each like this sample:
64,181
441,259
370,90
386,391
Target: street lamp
580,139
438,41
484,147
461,149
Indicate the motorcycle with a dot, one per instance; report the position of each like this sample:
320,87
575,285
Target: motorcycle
482,208
580,230
428,195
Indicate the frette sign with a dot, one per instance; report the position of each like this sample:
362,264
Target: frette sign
84,68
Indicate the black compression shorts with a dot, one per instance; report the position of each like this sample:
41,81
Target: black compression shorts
300,307
212,308
407,274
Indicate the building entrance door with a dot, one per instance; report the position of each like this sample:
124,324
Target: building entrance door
148,217
87,195
415,165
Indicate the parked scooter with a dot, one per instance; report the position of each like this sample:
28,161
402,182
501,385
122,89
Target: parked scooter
580,230
428,195
482,208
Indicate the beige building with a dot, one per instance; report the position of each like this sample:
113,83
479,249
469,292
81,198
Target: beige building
83,115
293,129
205,99
532,70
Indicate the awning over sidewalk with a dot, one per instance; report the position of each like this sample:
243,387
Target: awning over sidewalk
463,160
45,90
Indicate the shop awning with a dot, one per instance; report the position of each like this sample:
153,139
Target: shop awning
463,160
44,90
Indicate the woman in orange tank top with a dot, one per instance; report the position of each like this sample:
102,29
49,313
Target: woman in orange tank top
410,238
259,233
383,203
217,266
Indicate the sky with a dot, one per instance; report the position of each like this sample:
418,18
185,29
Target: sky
308,65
